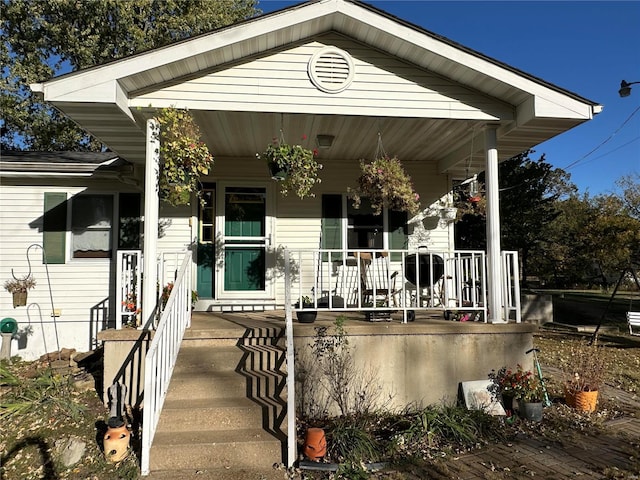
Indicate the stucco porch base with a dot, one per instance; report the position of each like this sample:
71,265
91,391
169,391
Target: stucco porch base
423,362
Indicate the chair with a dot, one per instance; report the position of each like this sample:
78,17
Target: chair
376,284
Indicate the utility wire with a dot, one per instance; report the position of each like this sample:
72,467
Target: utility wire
572,164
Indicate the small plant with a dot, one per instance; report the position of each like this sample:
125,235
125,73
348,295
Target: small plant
295,166
585,368
184,157
520,384
385,184
305,302
20,285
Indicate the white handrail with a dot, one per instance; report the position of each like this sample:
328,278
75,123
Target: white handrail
162,354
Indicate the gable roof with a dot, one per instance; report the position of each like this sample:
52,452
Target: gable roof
101,99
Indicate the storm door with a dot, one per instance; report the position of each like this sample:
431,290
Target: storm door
246,237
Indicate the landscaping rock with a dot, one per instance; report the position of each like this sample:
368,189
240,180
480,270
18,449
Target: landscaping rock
70,450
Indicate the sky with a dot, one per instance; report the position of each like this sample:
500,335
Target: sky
586,47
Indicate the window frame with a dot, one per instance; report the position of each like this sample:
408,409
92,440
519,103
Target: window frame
113,232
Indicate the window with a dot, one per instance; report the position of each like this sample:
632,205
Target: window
91,221
364,230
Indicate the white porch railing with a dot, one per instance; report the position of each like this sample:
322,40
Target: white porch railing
379,281
128,287
162,354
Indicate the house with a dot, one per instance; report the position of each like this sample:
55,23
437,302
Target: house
338,71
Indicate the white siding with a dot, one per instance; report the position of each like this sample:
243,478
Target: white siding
298,223
80,288
382,86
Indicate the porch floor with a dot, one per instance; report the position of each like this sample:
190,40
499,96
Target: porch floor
235,324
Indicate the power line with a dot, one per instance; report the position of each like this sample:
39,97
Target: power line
614,150
572,164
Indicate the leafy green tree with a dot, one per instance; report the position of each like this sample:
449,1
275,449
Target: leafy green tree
528,192
630,185
590,242
41,39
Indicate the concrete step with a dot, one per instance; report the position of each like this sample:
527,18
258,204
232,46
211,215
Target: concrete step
204,385
208,414
234,473
212,359
226,449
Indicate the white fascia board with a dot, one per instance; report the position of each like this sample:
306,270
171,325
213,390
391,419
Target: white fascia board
574,108
540,108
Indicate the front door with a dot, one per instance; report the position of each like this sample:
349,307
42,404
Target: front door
245,238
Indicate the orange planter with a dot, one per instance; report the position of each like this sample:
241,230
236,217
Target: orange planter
582,401
315,444
116,443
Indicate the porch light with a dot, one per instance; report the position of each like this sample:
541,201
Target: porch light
625,88
324,141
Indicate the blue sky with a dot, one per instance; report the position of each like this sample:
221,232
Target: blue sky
584,47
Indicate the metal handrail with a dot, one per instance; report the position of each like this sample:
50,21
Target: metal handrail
162,354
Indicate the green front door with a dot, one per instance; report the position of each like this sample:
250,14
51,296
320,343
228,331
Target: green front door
245,239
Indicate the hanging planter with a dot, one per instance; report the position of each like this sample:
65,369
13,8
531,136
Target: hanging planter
294,166
19,287
448,214
184,157
386,185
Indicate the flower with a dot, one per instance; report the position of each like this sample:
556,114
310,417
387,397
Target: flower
520,384
295,166
20,285
385,183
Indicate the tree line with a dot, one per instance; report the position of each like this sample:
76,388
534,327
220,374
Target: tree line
564,239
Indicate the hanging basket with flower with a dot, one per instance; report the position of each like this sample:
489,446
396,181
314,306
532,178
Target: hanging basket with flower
19,287
294,166
184,156
385,184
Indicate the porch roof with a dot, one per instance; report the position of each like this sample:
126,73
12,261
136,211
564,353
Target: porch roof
106,100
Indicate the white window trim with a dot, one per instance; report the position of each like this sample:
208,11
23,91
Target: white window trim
114,228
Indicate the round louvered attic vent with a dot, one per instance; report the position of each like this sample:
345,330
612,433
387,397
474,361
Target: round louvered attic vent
331,70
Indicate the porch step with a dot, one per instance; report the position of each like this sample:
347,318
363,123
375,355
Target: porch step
217,474
209,414
225,410
238,448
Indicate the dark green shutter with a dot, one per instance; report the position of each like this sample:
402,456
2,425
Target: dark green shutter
398,234
331,235
54,227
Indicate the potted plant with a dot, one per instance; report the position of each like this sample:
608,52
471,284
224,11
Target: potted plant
184,157
385,184
19,288
584,373
305,310
294,166
520,385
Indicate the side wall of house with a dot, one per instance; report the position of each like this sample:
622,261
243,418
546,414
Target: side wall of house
80,291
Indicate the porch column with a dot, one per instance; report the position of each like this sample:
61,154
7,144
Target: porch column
494,275
151,205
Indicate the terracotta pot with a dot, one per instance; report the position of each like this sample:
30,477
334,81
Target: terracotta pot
19,299
582,401
315,444
116,443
